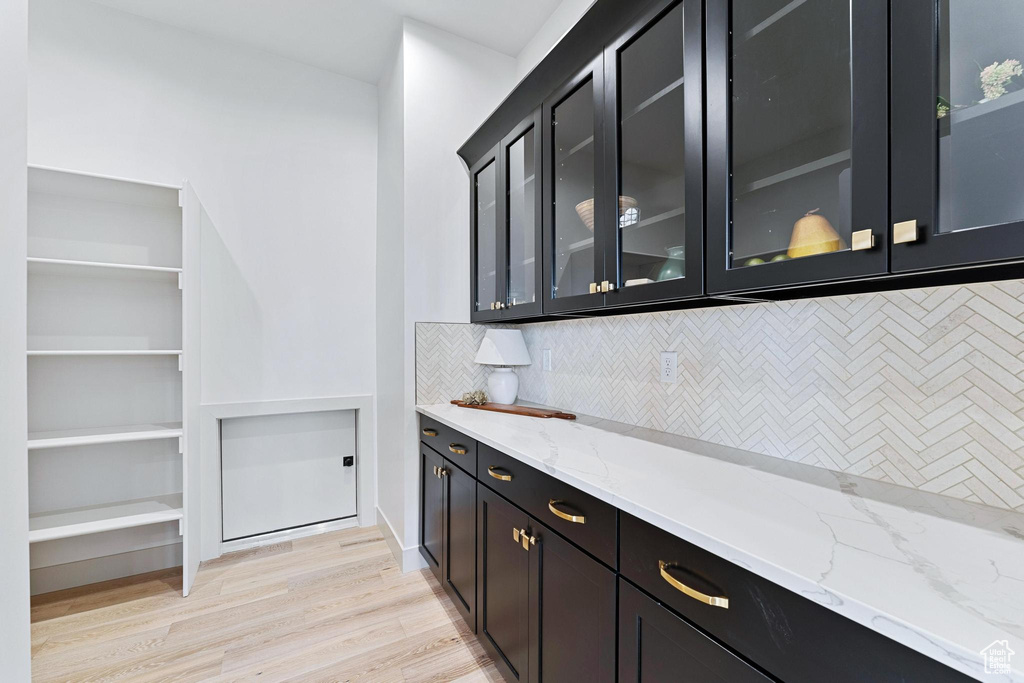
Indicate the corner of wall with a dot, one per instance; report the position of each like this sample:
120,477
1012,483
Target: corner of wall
15,647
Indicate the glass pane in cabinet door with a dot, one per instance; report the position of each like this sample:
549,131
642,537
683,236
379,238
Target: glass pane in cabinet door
651,178
980,112
486,238
522,217
574,193
791,130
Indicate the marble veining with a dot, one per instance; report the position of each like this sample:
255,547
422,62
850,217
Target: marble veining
942,576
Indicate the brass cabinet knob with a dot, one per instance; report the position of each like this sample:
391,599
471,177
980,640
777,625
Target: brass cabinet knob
594,289
714,601
904,232
607,286
862,239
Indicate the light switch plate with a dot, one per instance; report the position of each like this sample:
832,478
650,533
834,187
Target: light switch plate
547,360
669,359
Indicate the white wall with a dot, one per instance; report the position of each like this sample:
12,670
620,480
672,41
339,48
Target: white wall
449,85
558,24
390,303
283,157
14,601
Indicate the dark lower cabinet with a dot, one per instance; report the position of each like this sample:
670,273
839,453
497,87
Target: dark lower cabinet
448,529
547,606
431,509
503,588
656,646
459,553
572,612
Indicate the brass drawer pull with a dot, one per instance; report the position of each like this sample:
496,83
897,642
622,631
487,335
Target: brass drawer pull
442,472
496,475
575,519
435,470
427,431
693,593
457,449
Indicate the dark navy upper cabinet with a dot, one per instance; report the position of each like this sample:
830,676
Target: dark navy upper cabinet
654,134
958,133
797,156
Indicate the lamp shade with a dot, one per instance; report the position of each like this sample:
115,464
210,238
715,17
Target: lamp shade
503,347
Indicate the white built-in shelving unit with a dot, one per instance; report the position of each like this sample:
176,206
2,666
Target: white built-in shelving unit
113,362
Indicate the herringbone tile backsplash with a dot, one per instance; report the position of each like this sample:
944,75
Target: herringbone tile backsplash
923,388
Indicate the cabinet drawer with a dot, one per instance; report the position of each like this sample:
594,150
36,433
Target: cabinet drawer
788,635
656,645
449,443
553,503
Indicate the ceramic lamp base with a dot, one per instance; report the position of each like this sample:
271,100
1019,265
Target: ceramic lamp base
503,385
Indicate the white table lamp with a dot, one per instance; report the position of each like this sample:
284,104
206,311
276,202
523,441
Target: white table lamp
503,349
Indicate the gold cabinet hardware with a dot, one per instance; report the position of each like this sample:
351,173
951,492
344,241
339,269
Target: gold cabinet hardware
526,540
498,475
435,470
457,449
862,239
712,600
594,288
442,472
427,431
607,286
492,305
575,519
903,232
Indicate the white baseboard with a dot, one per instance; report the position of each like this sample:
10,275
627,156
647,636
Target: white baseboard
408,559
60,576
288,535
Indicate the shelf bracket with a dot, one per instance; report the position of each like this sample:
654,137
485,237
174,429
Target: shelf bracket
181,445
179,281
181,526
181,199
180,356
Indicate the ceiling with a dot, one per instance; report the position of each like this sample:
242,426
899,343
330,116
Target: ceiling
350,37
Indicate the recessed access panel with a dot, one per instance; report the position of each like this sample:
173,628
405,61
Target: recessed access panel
286,471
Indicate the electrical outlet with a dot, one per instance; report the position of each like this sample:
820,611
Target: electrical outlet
547,360
668,366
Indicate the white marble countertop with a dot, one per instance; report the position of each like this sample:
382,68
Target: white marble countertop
939,575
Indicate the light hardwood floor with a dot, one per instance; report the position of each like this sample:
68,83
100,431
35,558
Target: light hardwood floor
333,607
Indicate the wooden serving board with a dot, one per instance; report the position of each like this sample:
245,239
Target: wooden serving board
517,410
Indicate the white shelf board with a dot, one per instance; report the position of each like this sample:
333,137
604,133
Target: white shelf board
97,264
104,352
108,517
90,437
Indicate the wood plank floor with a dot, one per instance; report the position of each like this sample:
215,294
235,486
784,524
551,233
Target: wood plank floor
333,607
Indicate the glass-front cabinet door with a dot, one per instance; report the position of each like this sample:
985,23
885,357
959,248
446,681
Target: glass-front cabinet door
521,179
576,221
958,132
797,147
654,132
486,237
